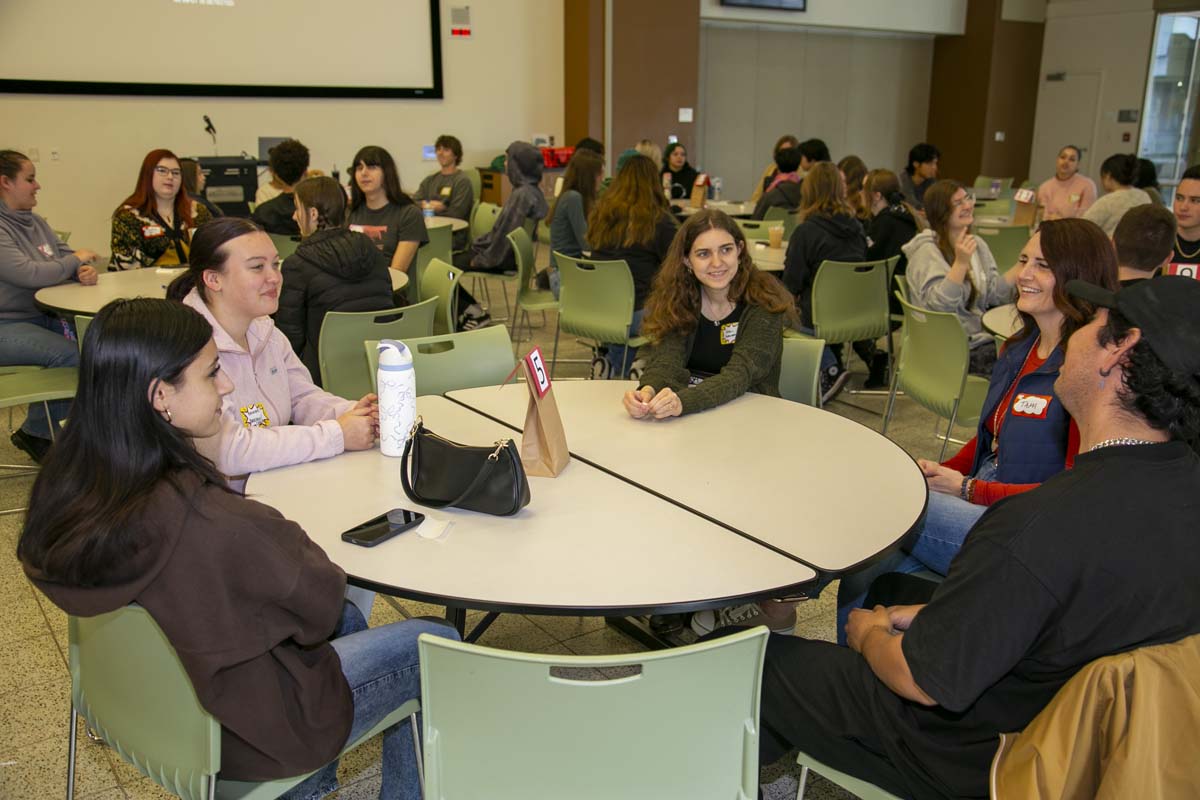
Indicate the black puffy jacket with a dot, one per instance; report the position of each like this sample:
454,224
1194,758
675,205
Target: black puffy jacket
335,269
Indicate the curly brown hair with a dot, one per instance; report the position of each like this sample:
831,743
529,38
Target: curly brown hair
674,302
627,214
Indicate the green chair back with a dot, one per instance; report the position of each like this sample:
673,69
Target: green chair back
699,704
483,219
800,371
440,245
130,687
81,325
1006,244
339,349
756,229
932,368
528,298
788,218
476,184
63,236
849,300
284,245
440,280
595,298
466,360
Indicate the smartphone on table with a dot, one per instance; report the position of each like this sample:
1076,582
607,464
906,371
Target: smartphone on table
385,526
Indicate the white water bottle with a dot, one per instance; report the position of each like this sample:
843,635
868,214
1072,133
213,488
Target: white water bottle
397,384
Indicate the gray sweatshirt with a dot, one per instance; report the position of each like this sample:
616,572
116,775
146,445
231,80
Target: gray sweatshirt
524,170
31,257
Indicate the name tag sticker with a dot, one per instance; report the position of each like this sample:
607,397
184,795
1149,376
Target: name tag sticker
1031,405
445,191
255,416
1074,198
729,333
152,231
45,250
1184,270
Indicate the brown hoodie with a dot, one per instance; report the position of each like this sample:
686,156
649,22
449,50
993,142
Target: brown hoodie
248,601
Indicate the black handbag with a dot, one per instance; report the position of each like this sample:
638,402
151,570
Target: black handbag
488,479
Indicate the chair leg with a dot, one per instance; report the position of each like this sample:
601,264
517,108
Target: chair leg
72,742
624,361
891,405
212,787
416,738
803,782
949,428
554,358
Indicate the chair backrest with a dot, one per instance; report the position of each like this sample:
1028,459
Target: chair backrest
522,247
757,229
63,236
699,703
466,360
788,218
476,184
595,298
339,350
81,325
440,280
130,686
934,357
849,300
986,181
284,245
440,245
1005,243
483,218
800,370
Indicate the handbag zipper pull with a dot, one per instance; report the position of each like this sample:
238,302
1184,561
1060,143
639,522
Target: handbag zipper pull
500,445
413,430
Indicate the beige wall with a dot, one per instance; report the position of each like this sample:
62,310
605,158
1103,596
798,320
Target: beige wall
504,83
863,94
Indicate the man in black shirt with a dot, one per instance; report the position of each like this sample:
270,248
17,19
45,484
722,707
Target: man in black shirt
1187,216
289,163
1144,239
1100,559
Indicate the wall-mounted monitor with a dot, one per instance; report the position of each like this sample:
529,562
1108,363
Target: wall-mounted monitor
775,5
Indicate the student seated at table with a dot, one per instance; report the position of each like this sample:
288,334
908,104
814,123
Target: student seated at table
1117,175
892,222
812,152
1147,180
828,231
1101,559
153,226
333,269
1067,193
1144,241
194,183
951,269
784,189
1187,217
568,216
448,191
33,257
631,222
289,163
382,211
716,322
919,173
854,171
1024,434
768,175
676,168
253,607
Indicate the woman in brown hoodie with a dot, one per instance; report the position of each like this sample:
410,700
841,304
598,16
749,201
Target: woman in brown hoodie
125,510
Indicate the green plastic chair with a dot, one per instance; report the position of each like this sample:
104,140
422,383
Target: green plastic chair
1005,243
483,219
494,718
23,384
756,229
932,370
865,790
788,218
800,370
339,350
129,686
440,280
482,357
472,174
528,298
440,245
81,325
595,301
985,182
63,236
284,245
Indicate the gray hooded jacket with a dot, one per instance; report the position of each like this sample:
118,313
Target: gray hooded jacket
31,257
524,170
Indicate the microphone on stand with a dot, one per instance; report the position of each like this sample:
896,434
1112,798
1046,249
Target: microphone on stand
211,130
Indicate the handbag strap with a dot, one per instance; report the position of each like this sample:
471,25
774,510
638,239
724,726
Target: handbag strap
471,487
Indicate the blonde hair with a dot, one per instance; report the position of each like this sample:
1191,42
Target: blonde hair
822,193
650,150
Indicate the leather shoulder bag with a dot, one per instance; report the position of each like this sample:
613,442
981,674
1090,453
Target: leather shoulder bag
488,479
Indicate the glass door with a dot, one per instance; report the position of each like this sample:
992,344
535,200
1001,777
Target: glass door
1169,137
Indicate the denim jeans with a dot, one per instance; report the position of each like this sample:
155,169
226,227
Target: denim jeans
38,341
383,670
948,520
619,354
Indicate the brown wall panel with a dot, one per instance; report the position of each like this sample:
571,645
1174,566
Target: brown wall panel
959,92
1012,99
583,66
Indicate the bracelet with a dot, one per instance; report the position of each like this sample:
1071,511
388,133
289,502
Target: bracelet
971,491
962,490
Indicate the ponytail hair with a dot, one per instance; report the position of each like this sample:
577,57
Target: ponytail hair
326,196
887,184
208,252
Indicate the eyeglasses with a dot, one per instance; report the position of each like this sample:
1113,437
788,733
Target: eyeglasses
164,172
968,198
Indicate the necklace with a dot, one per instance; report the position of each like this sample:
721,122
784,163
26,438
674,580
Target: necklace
1182,252
1120,440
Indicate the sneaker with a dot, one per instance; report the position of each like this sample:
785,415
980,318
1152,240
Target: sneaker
878,375
474,323
832,384
542,280
635,369
33,446
747,615
601,369
666,623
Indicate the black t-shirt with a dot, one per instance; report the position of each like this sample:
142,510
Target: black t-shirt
713,344
275,215
1100,559
389,225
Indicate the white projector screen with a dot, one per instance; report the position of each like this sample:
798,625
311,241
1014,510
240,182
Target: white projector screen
273,48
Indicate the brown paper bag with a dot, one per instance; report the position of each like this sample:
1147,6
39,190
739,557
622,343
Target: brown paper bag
699,191
1024,207
544,444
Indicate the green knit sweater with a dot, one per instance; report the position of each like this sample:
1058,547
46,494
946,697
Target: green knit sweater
753,366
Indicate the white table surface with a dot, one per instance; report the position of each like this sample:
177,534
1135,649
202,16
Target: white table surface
455,223
1003,320
822,488
767,258
587,543
733,209
75,298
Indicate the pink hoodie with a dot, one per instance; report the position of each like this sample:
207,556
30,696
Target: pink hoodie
275,416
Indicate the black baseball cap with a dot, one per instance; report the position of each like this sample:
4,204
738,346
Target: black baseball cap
1166,309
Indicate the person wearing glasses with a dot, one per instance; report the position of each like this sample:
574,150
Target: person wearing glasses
153,226
951,269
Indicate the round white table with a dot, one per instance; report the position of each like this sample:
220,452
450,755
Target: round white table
1003,321
75,298
455,223
733,209
767,258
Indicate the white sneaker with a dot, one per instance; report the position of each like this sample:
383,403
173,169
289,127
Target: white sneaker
747,615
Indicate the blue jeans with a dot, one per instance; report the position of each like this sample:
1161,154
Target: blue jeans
830,365
38,341
619,354
948,520
383,670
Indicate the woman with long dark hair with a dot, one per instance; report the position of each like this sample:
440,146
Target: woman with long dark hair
379,209
675,167
568,216
126,510
1118,176
153,226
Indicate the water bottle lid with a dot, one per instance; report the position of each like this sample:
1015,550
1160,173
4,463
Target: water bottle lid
394,356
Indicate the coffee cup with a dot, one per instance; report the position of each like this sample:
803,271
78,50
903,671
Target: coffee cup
775,236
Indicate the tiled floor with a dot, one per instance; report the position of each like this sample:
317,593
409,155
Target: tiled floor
34,684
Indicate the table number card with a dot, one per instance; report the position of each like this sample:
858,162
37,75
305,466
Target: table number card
700,191
544,444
